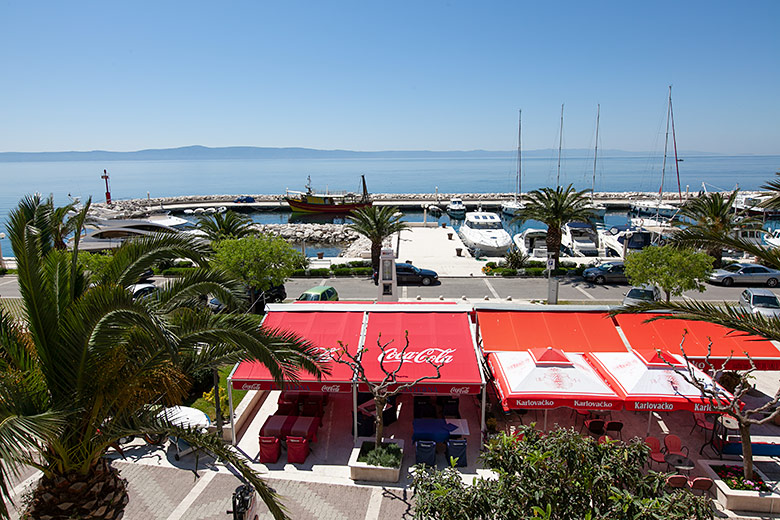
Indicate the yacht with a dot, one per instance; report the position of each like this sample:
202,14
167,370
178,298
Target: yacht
511,207
620,240
456,208
532,242
482,231
649,207
110,234
579,239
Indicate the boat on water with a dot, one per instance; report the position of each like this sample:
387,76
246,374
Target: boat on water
532,242
750,205
511,207
103,235
310,201
456,208
483,232
647,207
619,241
579,239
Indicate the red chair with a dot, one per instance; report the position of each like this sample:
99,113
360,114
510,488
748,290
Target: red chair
656,455
270,449
677,481
297,449
673,446
702,484
595,426
616,427
700,421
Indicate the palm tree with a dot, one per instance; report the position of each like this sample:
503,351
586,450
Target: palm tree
81,372
556,207
376,224
772,202
711,213
221,226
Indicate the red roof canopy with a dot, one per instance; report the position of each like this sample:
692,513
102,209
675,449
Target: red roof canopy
324,330
568,331
667,335
439,337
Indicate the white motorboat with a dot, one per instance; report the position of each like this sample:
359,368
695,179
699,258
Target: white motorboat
511,207
483,231
619,241
579,239
456,208
647,207
772,238
110,234
532,242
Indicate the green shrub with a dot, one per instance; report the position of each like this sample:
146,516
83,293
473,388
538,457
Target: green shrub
536,263
387,455
3,270
322,272
334,267
534,271
515,259
567,264
360,263
508,271
183,263
491,265
177,271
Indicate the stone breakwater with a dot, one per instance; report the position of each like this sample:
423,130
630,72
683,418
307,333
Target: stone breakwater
310,233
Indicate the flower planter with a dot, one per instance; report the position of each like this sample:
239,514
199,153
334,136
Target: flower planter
737,499
365,472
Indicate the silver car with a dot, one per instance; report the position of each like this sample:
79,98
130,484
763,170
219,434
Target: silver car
760,301
745,273
642,294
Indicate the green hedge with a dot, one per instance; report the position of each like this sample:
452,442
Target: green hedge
351,271
177,271
534,271
322,272
535,263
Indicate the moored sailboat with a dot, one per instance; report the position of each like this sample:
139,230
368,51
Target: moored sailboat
511,207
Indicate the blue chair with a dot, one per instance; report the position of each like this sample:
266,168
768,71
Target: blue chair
457,449
425,453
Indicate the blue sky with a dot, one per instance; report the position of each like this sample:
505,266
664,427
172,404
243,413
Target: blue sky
370,75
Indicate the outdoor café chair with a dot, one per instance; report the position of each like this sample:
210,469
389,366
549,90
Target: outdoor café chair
595,426
677,481
457,450
450,408
656,455
425,453
700,421
702,484
615,426
270,449
297,449
673,446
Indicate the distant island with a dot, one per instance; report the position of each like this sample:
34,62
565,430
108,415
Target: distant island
252,152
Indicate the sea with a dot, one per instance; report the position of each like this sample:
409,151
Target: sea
67,180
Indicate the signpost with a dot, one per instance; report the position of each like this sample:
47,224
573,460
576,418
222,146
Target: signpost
388,286
552,282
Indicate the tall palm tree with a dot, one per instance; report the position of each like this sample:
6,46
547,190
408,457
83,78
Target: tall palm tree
773,186
376,224
82,371
712,213
221,226
556,207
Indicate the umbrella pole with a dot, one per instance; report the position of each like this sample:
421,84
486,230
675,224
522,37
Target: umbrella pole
545,420
230,405
649,421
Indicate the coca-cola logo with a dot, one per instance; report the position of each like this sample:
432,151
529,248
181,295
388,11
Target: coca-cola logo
457,390
325,354
248,386
429,355
331,388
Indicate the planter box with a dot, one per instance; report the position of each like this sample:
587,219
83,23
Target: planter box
736,499
362,471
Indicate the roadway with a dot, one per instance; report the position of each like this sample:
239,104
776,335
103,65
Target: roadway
476,288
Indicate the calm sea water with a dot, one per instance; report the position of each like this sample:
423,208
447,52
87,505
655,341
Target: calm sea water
133,179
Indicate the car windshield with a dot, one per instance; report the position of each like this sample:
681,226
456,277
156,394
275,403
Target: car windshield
641,294
733,268
767,301
309,297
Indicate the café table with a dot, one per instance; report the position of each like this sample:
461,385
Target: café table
679,462
282,426
438,430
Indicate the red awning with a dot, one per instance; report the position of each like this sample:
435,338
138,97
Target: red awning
441,337
526,381
324,330
568,331
667,335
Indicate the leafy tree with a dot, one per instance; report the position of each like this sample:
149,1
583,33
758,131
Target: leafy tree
712,213
94,264
561,475
81,372
556,207
376,224
222,226
260,262
673,270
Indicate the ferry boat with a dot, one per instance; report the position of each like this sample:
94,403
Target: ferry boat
336,202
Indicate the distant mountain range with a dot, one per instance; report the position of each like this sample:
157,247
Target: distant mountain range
252,152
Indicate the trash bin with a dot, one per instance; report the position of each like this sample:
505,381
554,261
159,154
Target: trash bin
449,236
320,255
458,251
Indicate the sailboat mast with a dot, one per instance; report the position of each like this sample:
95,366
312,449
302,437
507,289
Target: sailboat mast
674,142
666,145
560,145
519,147
595,153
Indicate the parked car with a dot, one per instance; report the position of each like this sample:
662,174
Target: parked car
411,274
321,293
142,290
246,199
760,301
612,272
745,273
215,305
642,294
